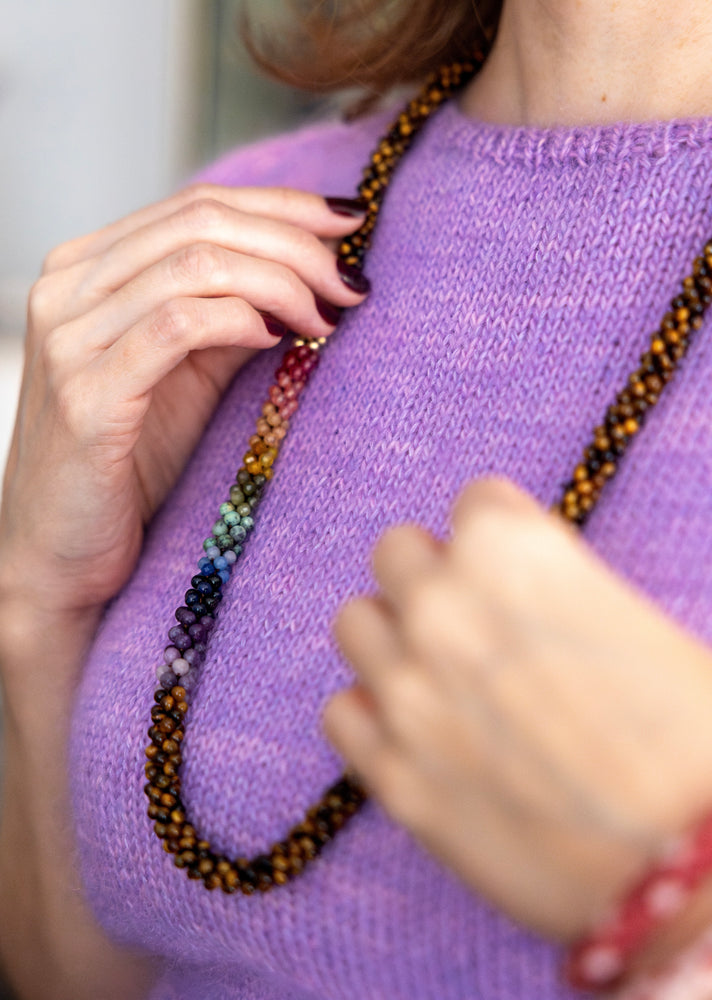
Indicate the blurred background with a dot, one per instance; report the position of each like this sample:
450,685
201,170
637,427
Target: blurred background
106,106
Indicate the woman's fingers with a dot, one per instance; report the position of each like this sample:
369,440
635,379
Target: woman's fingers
198,271
403,559
131,367
297,208
201,223
367,636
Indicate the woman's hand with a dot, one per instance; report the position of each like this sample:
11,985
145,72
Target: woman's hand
134,333
538,725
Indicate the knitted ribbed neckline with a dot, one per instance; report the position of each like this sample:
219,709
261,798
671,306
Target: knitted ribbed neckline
572,145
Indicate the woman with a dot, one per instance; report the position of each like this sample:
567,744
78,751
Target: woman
536,722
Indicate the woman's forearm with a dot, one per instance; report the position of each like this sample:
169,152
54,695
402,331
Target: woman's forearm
50,944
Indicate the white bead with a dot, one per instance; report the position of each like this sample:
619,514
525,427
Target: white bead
666,897
601,963
180,667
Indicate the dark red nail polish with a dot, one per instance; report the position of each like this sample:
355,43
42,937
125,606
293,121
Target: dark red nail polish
352,207
353,277
331,314
274,326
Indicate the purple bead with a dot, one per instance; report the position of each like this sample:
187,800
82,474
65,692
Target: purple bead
189,680
185,616
180,667
208,622
194,657
230,557
198,632
180,638
199,647
213,552
170,653
168,680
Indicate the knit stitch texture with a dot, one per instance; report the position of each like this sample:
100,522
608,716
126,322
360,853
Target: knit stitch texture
517,276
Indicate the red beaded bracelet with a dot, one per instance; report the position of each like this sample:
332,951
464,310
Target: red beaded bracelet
600,960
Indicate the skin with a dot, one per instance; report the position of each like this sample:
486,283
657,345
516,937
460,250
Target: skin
578,62
167,303
534,751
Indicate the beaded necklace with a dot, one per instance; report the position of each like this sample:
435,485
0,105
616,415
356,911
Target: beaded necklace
196,618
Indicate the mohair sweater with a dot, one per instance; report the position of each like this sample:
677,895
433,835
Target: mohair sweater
517,276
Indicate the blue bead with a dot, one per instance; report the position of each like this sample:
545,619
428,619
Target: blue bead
202,563
209,569
224,575
220,562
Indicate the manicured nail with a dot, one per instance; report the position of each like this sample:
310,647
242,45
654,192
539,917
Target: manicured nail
274,326
353,277
331,314
352,207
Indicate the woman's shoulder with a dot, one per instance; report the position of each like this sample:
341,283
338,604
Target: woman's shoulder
326,157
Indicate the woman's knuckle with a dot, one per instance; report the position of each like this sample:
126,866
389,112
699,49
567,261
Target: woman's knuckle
58,257
285,288
306,244
72,406
173,321
41,299
53,350
200,191
202,214
197,263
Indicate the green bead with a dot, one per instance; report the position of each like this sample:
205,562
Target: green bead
209,543
225,542
231,517
226,508
219,528
244,510
236,495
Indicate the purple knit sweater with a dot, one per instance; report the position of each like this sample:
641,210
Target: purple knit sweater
517,275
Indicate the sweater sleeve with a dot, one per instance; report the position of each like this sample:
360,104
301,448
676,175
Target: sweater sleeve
323,158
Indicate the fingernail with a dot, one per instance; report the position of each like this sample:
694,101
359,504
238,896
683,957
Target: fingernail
274,326
352,207
331,314
353,277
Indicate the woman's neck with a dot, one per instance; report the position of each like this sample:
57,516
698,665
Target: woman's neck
567,62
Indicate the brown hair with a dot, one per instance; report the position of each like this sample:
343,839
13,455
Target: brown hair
371,44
